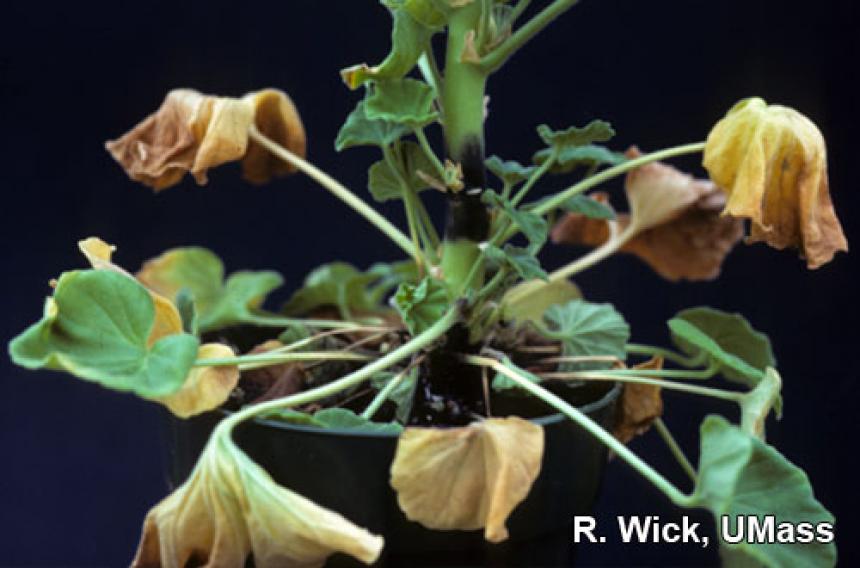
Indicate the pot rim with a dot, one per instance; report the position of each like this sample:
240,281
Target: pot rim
547,420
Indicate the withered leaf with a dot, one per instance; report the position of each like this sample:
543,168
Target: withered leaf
205,388
231,507
639,406
193,132
690,242
772,162
467,478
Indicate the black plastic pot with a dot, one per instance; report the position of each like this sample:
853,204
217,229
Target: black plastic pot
348,472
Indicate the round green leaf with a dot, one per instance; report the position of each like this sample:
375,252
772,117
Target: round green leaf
97,327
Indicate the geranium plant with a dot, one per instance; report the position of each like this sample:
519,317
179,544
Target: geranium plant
423,347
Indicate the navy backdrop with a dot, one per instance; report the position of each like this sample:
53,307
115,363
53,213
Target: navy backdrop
81,465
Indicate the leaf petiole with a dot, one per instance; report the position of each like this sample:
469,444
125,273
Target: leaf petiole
336,189
675,448
619,376
668,355
258,360
593,428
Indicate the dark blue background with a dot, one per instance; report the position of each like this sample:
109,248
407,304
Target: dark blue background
82,465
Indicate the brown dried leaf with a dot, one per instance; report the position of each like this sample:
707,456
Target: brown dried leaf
657,193
205,388
192,132
467,478
692,244
276,117
639,406
231,507
772,162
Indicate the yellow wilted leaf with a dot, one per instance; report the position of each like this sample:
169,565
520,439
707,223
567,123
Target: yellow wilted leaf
205,388
772,162
167,318
467,478
640,405
231,507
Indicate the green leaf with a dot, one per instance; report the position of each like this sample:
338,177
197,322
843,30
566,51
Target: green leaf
423,305
502,382
531,307
335,418
583,205
588,207
574,146
594,131
342,418
390,276
219,303
533,226
336,284
409,39
359,130
187,311
96,327
384,183
294,333
403,395
741,352
431,13
402,101
292,416
568,158
585,328
510,172
520,259
739,475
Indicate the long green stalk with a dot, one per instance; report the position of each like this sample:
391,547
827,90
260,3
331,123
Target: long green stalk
337,190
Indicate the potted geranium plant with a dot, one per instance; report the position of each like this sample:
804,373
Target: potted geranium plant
463,359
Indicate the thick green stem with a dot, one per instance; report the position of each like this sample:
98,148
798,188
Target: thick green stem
463,100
